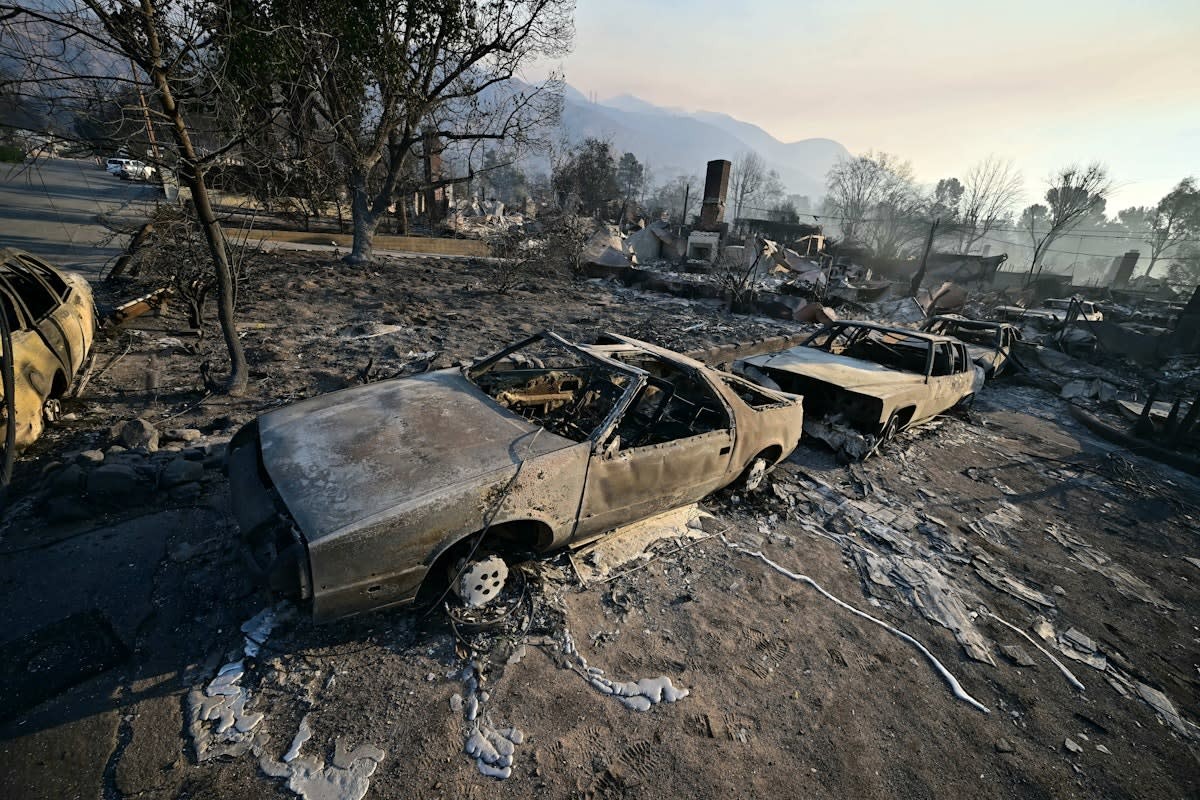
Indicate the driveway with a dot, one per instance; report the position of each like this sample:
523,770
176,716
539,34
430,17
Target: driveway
50,208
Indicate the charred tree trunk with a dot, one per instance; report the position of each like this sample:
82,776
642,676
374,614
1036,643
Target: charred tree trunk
402,213
363,219
193,177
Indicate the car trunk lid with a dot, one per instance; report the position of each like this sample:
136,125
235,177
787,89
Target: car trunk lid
342,457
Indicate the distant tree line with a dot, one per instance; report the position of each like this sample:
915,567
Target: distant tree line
873,201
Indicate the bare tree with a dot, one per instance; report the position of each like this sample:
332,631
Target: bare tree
396,78
990,190
78,55
671,195
747,177
1073,193
1175,218
875,202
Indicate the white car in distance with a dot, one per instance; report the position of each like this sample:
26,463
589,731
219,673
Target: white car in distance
136,171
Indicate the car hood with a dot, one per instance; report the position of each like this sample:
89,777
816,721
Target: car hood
343,457
851,374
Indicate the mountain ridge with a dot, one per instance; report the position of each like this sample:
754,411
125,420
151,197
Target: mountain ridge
673,141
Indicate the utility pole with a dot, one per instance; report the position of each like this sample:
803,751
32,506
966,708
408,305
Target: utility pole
920,276
146,115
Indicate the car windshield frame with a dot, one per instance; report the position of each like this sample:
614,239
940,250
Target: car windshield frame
638,377
837,329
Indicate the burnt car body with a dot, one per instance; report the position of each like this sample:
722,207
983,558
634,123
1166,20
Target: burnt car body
1054,313
863,382
989,343
349,500
52,321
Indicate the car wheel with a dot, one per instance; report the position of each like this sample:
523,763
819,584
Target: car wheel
480,582
890,429
752,479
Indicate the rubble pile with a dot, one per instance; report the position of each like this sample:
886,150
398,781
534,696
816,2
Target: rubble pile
141,466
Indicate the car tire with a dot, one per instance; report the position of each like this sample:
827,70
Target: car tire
754,475
890,429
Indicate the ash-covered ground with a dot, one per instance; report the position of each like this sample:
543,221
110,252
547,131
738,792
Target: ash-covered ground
141,660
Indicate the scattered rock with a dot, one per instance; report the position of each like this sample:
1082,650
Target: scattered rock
180,470
1103,749
67,481
1004,746
1073,746
183,434
1060,591
114,450
139,433
114,483
90,458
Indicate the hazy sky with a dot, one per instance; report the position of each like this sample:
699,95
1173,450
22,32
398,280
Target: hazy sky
939,83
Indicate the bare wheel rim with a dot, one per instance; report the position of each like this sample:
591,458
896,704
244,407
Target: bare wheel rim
482,581
755,474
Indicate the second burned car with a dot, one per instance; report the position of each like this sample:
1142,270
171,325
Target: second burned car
350,501
862,383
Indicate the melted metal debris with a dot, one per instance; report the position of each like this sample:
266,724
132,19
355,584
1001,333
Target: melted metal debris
1098,561
346,778
493,748
640,695
219,720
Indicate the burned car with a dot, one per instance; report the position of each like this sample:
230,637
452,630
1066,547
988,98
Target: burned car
990,344
357,499
862,383
1054,313
52,320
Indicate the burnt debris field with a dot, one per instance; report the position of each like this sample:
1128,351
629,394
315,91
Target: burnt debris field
994,602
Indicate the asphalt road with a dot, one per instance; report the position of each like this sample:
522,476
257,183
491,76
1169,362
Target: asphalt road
50,208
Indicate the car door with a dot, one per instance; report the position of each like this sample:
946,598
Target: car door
30,357
1003,352
45,303
74,318
625,484
955,383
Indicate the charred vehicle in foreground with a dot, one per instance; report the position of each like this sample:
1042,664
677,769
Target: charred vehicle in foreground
353,499
990,344
862,383
51,323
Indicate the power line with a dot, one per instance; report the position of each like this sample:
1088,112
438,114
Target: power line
1138,235
1080,252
